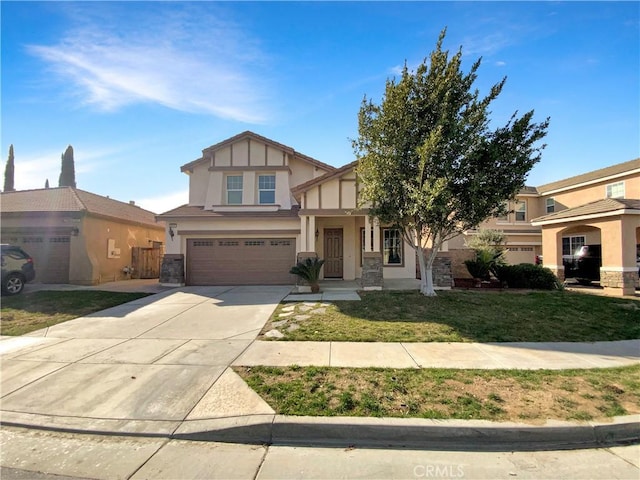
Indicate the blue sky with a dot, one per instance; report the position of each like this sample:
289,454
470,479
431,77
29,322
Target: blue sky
140,88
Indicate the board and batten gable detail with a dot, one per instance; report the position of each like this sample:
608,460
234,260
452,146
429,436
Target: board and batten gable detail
261,173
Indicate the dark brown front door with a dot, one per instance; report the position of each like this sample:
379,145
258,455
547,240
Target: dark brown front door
333,253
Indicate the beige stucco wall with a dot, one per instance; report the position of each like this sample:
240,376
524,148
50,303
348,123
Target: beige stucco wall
91,264
581,195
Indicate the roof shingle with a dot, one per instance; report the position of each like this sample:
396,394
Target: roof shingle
68,199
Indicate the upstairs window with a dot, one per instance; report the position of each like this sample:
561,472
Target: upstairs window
234,190
267,189
521,211
550,205
615,190
392,246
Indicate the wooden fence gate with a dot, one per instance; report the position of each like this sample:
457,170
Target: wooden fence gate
146,262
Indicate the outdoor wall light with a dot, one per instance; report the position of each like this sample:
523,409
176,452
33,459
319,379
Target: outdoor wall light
172,228
317,234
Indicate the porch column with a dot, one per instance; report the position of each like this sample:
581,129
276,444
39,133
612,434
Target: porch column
372,275
552,250
311,231
367,234
376,235
619,273
303,233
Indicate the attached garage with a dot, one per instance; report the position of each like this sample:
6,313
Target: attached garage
240,261
50,255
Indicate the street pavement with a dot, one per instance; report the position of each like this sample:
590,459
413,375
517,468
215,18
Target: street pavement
157,371
63,456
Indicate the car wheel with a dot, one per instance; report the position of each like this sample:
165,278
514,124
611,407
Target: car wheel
13,284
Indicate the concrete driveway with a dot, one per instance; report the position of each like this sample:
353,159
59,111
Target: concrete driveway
147,366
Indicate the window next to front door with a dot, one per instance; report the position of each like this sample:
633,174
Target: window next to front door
266,189
392,246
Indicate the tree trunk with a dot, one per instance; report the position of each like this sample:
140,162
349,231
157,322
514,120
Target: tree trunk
426,273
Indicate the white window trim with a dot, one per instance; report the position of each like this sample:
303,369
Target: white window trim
516,211
267,189
552,205
608,189
572,250
234,189
401,245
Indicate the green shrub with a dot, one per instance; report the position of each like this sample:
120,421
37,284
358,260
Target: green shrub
485,263
527,275
309,270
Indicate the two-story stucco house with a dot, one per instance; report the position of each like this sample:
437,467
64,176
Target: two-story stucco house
257,206
552,221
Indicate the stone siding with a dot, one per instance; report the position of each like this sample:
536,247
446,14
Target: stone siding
442,273
372,276
624,280
172,269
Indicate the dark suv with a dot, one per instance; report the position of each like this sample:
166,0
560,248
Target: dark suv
17,269
585,264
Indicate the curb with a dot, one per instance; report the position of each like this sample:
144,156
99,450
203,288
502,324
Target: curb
364,432
477,435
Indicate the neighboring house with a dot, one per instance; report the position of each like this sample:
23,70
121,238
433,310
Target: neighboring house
601,207
82,238
257,206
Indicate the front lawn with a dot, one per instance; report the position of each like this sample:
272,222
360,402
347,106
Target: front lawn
462,316
32,311
500,395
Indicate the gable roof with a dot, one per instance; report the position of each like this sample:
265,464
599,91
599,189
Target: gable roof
591,177
308,185
69,200
610,206
254,136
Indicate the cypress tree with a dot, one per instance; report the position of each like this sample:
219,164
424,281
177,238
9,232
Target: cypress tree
9,172
68,170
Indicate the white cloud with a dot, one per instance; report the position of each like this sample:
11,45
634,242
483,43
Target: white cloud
164,203
500,63
185,62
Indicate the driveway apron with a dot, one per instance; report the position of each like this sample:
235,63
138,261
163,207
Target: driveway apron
141,367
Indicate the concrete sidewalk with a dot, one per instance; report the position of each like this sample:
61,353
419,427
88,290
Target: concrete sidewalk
160,367
526,356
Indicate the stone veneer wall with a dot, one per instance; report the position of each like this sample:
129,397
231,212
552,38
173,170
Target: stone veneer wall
442,272
172,269
372,276
623,280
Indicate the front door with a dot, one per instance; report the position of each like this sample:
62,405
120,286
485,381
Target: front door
333,253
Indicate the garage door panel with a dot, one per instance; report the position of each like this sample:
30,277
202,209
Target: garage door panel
238,261
50,257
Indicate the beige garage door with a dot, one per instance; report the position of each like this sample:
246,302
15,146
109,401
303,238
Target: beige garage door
50,257
240,261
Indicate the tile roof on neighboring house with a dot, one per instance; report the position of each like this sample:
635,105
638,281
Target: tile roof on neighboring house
612,206
199,211
69,200
591,177
248,134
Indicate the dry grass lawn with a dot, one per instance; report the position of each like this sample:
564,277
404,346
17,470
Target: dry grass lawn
531,396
